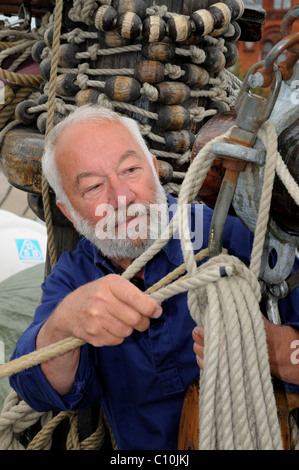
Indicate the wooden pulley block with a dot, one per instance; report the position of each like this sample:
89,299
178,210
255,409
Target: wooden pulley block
105,18
195,76
178,141
22,113
163,51
173,92
203,21
165,171
122,88
236,7
20,156
179,28
112,39
153,28
87,96
129,25
149,71
221,13
231,55
133,6
214,61
67,54
45,69
173,118
65,84
37,50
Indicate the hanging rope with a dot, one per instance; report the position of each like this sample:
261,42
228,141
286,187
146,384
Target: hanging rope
49,126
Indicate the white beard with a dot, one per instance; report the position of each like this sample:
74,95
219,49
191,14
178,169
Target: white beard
115,241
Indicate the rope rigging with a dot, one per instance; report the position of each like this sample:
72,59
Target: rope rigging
224,320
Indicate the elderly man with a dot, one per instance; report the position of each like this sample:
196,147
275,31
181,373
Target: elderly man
139,356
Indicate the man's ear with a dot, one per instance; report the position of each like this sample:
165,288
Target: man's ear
65,212
155,164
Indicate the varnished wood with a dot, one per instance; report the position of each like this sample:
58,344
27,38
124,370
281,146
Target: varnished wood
179,28
221,13
188,439
189,424
129,25
20,158
286,402
252,22
153,29
149,71
173,117
106,18
173,92
121,88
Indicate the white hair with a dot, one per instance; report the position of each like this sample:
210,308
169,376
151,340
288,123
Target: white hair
108,246
85,113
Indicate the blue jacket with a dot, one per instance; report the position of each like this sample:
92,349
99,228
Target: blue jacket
141,383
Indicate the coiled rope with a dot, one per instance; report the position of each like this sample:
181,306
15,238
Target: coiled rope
237,404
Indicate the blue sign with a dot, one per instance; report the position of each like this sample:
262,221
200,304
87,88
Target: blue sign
29,250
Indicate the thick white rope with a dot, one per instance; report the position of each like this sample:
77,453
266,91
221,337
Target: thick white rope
236,367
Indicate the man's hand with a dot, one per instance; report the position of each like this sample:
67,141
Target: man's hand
106,311
279,341
102,313
198,337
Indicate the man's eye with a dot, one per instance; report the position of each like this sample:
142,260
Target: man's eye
92,189
132,169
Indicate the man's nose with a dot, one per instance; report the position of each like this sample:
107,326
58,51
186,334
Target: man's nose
119,193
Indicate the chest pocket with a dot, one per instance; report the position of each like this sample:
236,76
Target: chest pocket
163,355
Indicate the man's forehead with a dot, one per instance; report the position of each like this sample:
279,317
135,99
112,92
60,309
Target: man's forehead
82,127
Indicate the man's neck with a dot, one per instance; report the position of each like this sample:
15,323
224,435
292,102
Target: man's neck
125,263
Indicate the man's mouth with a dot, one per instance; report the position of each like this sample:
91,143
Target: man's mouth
130,222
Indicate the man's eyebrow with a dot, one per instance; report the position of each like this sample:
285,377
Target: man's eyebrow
128,154
89,174
85,174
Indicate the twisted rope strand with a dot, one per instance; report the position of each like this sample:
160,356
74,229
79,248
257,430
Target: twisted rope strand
49,126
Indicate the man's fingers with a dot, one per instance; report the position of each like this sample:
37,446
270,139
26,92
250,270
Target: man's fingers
129,294
198,345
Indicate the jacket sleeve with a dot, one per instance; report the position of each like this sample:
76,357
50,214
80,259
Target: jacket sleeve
31,384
